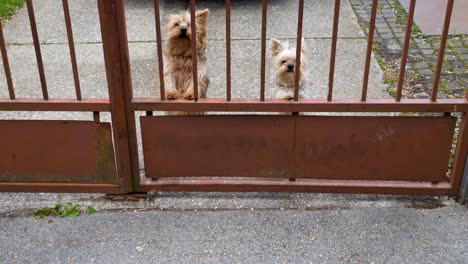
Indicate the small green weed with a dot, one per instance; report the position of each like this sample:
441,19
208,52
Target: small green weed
381,61
451,157
61,209
400,11
443,87
418,33
390,78
444,198
90,210
459,35
376,46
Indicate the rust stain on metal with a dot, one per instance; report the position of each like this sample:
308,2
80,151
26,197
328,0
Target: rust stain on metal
105,158
56,152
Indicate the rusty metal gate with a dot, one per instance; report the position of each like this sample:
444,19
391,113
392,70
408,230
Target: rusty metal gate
232,152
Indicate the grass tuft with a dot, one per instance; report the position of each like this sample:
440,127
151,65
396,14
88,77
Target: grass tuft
61,209
9,7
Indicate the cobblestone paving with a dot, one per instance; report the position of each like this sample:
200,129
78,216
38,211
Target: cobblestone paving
388,41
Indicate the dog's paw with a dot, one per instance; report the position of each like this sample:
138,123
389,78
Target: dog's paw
172,94
188,95
288,97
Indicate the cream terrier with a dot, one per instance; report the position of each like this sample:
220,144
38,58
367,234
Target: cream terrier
178,51
283,61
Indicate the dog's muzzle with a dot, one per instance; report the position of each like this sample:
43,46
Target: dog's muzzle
183,32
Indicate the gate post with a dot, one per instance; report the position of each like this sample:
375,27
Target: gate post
463,196
115,45
459,177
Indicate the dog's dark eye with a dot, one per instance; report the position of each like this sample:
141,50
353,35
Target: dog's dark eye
176,24
283,62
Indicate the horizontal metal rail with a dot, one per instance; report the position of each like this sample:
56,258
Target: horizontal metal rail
304,105
300,185
58,187
57,105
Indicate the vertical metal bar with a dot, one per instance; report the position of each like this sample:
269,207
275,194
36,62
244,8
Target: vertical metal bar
115,45
37,48
121,23
463,196
71,44
460,154
6,65
157,18
193,27
96,117
228,50
263,51
331,76
300,19
370,41
404,55
443,42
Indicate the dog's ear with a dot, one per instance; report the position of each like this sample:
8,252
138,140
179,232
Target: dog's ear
277,47
202,17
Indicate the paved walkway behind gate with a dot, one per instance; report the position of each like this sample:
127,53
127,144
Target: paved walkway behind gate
423,49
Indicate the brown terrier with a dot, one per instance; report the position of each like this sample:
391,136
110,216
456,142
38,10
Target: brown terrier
284,65
178,51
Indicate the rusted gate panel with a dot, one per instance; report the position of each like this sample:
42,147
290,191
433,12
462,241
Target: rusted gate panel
313,147
374,148
217,146
56,152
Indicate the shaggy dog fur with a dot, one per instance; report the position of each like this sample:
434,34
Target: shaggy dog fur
283,61
178,51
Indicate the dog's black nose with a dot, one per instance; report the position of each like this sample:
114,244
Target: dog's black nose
183,30
290,67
